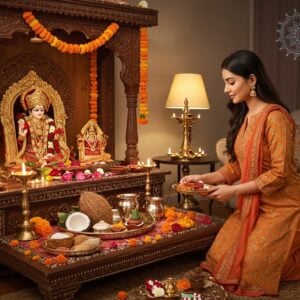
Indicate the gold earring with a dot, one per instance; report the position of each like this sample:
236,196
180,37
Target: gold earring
253,92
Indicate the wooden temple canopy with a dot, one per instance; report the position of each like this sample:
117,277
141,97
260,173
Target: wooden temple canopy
79,19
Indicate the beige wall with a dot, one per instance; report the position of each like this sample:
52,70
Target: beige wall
193,36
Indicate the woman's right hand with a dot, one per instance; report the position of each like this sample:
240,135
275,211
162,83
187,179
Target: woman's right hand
191,178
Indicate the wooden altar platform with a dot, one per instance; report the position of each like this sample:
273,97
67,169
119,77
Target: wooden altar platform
63,281
48,198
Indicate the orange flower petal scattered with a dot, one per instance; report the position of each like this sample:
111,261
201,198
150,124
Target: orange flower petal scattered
183,284
36,257
14,243
132,242
122,295
27,252
61,259
49,261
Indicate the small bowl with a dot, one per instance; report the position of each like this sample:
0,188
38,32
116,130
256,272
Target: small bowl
60,239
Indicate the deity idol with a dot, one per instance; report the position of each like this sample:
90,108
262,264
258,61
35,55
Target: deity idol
92,143
39,140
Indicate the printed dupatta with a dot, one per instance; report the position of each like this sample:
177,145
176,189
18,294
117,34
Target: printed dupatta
229,268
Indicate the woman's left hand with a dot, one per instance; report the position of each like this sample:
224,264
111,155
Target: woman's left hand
222,192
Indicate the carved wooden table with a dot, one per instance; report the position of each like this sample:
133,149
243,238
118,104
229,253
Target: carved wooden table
62,282
46,199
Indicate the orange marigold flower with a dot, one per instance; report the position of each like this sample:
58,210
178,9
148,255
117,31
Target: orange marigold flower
34,244
165,228
27,252
132,242
49,261
179,215
14,243
122,295
61,259
36,257
169,212
183,284
170,219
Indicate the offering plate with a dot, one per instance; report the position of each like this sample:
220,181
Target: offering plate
70,252
148,224
175,295
188,190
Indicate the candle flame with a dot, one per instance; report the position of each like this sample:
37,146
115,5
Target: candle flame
23,169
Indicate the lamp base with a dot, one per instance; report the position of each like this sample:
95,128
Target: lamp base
26,233
188,202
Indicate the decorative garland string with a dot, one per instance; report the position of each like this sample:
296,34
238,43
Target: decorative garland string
93,103
143,94
90,47
64,47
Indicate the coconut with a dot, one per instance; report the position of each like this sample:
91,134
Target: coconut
96,207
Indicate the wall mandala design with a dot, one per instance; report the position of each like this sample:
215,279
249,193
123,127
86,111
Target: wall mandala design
290,34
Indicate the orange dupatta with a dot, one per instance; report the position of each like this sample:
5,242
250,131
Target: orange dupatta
228,269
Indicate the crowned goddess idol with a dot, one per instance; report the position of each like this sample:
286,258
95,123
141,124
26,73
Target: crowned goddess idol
38,138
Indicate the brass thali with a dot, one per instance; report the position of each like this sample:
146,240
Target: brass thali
148,224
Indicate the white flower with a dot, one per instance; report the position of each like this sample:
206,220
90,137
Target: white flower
158,291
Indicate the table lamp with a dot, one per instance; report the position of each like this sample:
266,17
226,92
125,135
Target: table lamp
187,92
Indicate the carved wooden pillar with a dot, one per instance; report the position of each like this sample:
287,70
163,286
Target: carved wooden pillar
126,47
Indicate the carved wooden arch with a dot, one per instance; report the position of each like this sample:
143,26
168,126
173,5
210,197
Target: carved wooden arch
14,92
46,68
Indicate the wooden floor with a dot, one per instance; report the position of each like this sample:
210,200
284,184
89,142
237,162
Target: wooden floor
12,282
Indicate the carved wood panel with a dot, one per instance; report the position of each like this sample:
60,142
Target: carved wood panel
77,21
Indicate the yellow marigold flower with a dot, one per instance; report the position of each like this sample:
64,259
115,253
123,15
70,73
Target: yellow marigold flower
147,239
158,237
33,23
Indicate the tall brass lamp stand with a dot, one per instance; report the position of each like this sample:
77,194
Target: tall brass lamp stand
26,232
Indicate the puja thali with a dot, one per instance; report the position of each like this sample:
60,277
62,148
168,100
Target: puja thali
185,189
147,225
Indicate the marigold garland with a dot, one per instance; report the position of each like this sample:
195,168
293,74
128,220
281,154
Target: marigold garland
93,103
143,94
64,47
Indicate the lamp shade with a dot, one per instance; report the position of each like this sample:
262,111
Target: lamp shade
188,86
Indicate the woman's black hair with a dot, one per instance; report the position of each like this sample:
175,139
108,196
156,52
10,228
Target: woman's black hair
244,63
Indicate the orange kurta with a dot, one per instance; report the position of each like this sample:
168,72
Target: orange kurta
272,249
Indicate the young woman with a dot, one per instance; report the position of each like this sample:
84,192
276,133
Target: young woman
259,244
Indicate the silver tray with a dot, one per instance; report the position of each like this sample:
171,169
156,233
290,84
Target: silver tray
148,220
